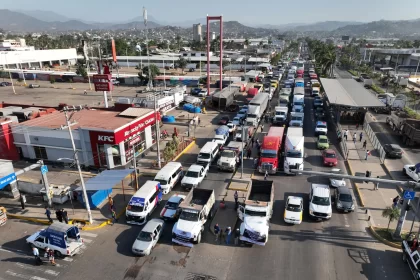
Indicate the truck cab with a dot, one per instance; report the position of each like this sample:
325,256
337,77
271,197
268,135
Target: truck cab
229,156
253,115
411,257
280,114
412,171
296,119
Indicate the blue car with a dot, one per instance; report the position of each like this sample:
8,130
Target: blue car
195,91
242,114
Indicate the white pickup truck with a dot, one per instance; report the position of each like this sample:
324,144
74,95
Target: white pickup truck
194,176
411,257
230,154
411,171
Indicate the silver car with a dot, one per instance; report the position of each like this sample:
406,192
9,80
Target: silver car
148,237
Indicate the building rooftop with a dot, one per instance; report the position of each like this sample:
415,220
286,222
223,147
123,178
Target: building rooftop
94,119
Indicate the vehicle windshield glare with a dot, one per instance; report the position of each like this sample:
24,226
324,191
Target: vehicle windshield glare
293,208
323,140
321,126
171,205
268,153
145,236
189,216
330,155
228,154
294,154
136,208
192,174
323,201
204,155
255,213
162,182
345,197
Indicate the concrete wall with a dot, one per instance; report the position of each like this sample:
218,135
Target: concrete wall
17,57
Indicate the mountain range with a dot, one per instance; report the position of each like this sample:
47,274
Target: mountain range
47,21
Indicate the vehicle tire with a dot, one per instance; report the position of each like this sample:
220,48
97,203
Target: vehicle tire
404,257
198,238
58,254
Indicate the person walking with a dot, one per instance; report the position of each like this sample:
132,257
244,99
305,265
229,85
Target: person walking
346,134
361,136
36,255
216,230
395,201
357,126
364,144
252,142
48,213
265,175
64,216
248,153
50,254
354,138
58,215
85,92
228,234
236,196
262,128
255,163
114,216
199,121
367,154
376,185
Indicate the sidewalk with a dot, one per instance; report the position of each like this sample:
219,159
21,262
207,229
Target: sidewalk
374,201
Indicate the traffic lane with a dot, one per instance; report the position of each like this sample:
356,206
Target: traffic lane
343,74
15,232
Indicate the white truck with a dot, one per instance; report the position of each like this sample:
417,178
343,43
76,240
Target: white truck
280,115
413,171
229,156
256,212
294,149
299,100
253,115
195,210
194,176
296,119
411,257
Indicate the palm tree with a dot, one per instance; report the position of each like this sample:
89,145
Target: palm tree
392,213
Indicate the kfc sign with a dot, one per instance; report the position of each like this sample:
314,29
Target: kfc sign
106,138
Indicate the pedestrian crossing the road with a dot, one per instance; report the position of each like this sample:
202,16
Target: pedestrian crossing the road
27,270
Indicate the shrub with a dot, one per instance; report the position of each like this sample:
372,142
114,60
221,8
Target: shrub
52,80
353,72
411,113
377,89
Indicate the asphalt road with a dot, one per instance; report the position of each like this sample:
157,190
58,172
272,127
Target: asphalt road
336,249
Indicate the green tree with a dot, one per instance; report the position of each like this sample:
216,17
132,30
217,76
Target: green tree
182,63
178,41
162,45
391,213
396,88
275,59
81,70
144,74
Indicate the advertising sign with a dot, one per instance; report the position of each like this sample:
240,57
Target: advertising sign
106,77
7,180
56,239
114,51
103,86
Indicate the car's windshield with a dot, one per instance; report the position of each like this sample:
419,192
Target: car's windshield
236,119
192,174
204,155
345,197
330,155
296,118
321,126
294,154
144,236
255,213
280,113
298,103
323,140
171,205
324,201
252,116
162,182
268,153
191,216
228,154
136,208
293,208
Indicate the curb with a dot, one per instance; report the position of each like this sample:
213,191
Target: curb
185,150
38,221
389,174
383,240
356,186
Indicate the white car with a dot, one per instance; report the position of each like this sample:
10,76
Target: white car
236,121
320,202
203,93
293,211
232,127
194,176
148,237
171,210
336,183
321,128
411,171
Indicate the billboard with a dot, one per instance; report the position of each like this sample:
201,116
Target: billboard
345,38
114,51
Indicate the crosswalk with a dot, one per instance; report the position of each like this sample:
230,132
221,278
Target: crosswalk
27,270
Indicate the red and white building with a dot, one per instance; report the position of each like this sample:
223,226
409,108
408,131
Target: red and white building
103,138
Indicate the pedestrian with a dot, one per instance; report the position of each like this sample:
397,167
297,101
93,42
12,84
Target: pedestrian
346,134
85,92
361,136
114,216
58,216
216,230
354,138
252,142
376,185
36,255
248,153
65,216
364,144
265,175
48,213
236,196
395,201
50,254
228,233
367,154
199,121
266,118
255,163
357,126
262,128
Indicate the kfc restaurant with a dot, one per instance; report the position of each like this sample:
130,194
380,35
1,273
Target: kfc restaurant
104,139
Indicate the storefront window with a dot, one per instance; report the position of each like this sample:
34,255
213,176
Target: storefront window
102,155
116,155
154,134
139,144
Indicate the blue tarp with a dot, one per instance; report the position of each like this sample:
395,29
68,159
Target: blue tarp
106,180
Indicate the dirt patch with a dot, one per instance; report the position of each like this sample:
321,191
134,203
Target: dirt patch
181,249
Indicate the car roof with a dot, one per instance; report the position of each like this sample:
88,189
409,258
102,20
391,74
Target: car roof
195,167
395,146
320,190
295,200
176,198
343,190
152,224
322,137
330,151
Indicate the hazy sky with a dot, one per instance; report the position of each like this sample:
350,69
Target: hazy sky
246,11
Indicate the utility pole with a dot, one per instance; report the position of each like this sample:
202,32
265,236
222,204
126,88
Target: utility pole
46,183
150,83
76,158
242,156
400,223
157,133
135,167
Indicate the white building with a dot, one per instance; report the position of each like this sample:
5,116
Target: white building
15,45
197,32
37,58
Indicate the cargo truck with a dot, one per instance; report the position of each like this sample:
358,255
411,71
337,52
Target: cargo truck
294,149
271,146
195,210
256,212
230,155
408,128
280,114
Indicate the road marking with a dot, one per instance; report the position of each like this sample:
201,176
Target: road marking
24,276
67,259
11,250
88,234
46,271
87,240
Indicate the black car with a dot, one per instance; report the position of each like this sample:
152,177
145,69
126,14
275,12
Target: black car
224,120
393,151
344,201
195,91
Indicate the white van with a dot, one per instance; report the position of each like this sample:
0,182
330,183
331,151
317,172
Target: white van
320,202
143,202
169,176
315,91
208,153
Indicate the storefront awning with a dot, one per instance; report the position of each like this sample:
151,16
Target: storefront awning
106,180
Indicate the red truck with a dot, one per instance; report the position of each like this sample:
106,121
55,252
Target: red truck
252,92
270,150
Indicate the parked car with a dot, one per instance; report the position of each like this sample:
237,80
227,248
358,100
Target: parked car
224,120
344,199
148,237
34,86
393,151
329,158
293,211
242,114
5,84
171,210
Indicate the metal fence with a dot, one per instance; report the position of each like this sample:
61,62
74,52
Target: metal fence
374,140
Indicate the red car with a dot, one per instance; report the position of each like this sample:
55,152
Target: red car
224,120
329,158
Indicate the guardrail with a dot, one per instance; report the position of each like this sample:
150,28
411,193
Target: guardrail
374,140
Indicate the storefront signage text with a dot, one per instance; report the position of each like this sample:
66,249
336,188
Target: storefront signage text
138,127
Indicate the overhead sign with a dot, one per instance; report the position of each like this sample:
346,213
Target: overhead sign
103,86
44,169
7,180
409,195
